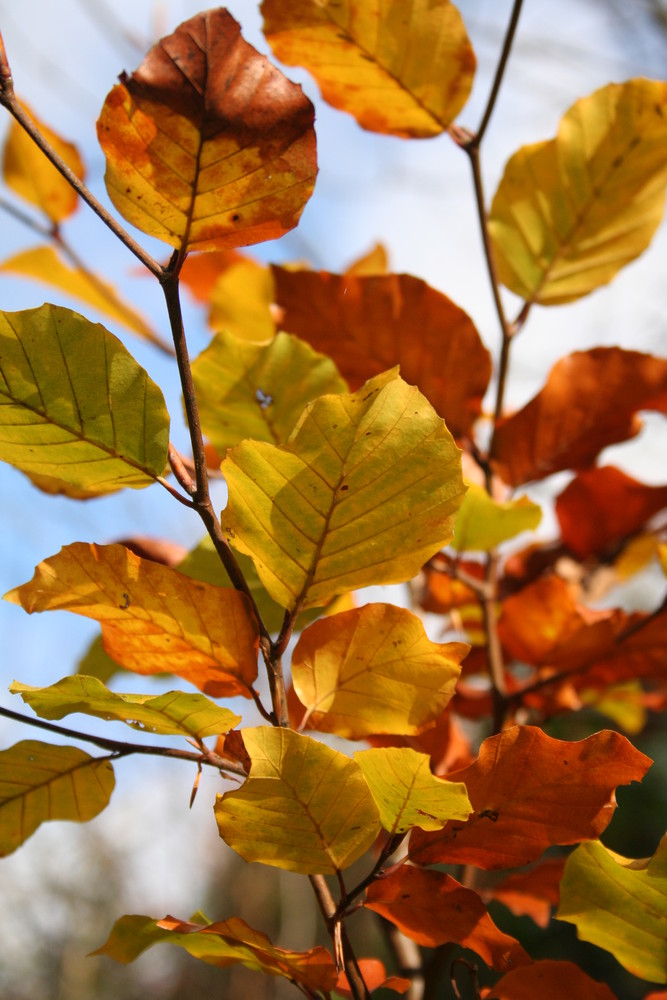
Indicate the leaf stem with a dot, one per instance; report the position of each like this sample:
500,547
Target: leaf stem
335,927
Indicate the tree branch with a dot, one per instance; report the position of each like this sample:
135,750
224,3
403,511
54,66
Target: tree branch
335,927
500,72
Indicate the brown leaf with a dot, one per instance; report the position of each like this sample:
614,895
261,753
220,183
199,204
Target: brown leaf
530,893
551,980
369,324
530,791
589,401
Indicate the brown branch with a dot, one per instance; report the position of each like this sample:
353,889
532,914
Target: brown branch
500,72
336,928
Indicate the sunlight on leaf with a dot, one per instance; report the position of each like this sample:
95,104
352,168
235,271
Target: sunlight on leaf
401,69
483,523
40,782
207,144
240,302
552,980
308,806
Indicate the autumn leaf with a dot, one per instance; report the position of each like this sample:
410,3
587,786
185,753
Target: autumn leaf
154,619
30,175
207,144
364,492
619,905
434,909
308,806
572,211
190,715
531,893
241,302
441,591
530,791
223,943
590,400
403,70
374,262
407,794
375,977
548,978
483,523
367,324
78,412
373,670
445,743
258,391
40,782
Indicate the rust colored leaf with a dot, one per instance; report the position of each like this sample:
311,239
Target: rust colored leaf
208,146
601,507
531,893
441,592
551,980
375,977
446,744
590,400
530,791
433,909
370,323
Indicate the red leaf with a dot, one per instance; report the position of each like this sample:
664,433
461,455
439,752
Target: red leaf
550,980
530,893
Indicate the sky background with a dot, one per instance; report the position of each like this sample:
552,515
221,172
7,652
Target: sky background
414,197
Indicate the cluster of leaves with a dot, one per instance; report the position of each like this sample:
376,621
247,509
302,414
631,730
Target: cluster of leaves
342,473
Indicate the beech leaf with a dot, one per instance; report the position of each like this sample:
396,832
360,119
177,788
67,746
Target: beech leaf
240,302
403,70
434,909
374,975
572,211
308,806
367,324
619,905
531,893
407,794
258,391
78,413
40,782
548,978
530,791
174,712
483,523
207,144
154,619
373,670
364,492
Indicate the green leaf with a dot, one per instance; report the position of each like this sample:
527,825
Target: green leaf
407,794
365,492
40,782
308,806
173,712
571,212
258,391
76,410
619,905
483,523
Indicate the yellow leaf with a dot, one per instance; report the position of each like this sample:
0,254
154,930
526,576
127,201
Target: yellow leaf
572,211
662,557
639,551
76,410
154,619
207,144
240,302
364,492
619,905
258,390
375,262
623,703
172,713
308,806
30,175
45,264
404,68
40,782
407,794
374,670
483,523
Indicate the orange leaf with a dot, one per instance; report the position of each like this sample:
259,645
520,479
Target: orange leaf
375,976
590,400
446,744
369,324
531,893
530,791
208,145
201,271
433,909
551,980
602,506
441,592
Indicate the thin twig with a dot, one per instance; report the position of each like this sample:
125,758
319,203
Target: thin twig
177,496
500,71
389,848
335,927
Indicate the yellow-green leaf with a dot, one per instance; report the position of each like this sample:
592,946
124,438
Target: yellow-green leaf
96,663
154,619
26,170
40,782
404,68
240,302
407,794
45,264
619,905
259,390
226,942
207,144
75,407
572,211
364,492
374,670
304,807
170,713
483,523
